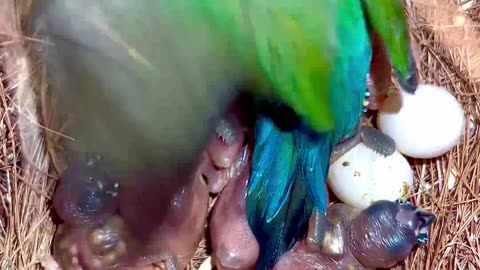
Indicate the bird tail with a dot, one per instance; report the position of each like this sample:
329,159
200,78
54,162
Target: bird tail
286,185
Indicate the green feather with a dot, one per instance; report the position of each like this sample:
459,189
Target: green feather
297,58
290,46
387,17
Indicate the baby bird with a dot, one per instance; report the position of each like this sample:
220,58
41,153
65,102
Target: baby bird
98,219
378,237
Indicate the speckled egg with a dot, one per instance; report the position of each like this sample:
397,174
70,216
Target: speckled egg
362,176
426,124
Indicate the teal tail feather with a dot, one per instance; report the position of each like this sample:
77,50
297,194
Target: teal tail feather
287,183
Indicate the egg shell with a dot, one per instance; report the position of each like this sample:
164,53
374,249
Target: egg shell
361,177
426,124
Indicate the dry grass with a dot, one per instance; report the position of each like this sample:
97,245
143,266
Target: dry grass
447,35
448,38
25,185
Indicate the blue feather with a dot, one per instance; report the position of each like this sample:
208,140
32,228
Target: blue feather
287,166
274,149
274,207
315,161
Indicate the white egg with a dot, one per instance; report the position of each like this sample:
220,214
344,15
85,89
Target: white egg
426,124
361,177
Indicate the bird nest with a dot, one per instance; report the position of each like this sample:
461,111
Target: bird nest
446,36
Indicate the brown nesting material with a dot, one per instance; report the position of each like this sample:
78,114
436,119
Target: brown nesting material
25,183
447,36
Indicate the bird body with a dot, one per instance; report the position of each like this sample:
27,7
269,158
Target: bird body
290,166
376,238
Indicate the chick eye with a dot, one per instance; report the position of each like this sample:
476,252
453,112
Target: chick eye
91,203
408,219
